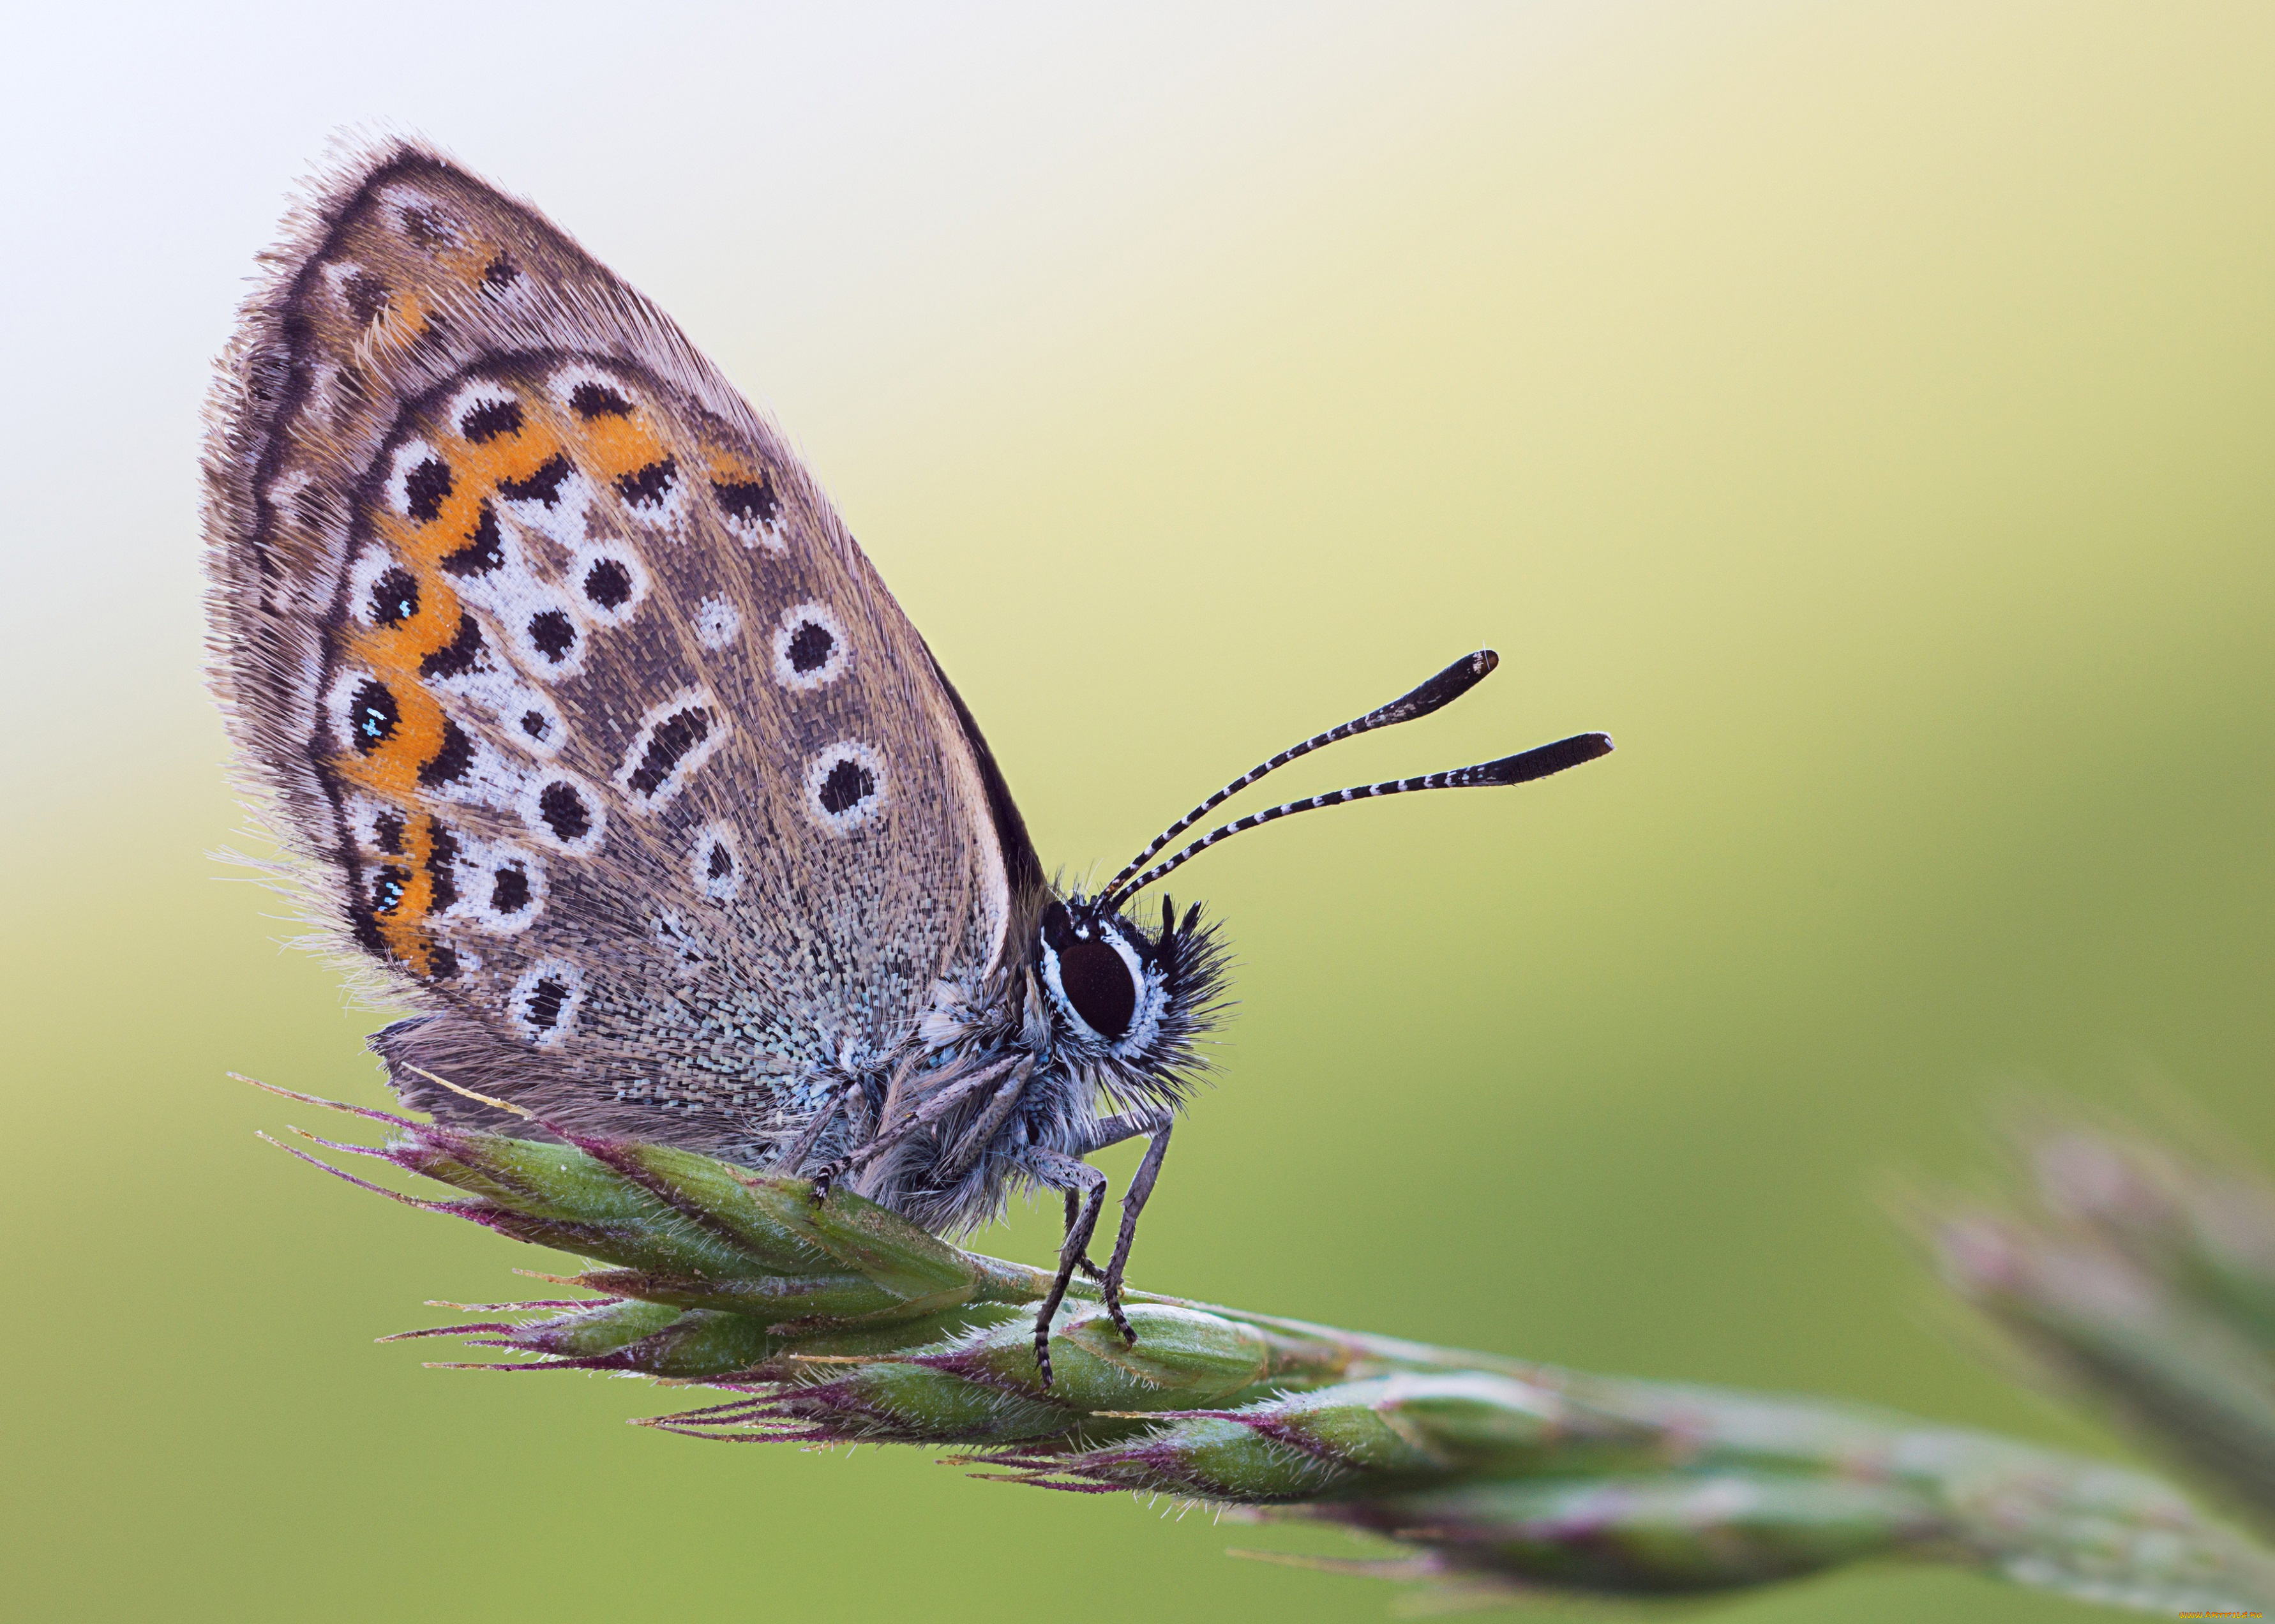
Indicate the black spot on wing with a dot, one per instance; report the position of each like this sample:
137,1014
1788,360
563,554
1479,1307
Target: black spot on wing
543,484
442,850
394,596
426,489
499,275
809,646
609,584
543,1008
487,419
457,657
448,764
536,724
598,400
553,634
647,487
372,715
484,548
847,785
674,737
749,501
509,890
564,812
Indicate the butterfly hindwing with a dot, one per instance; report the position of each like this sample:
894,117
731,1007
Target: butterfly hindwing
597,730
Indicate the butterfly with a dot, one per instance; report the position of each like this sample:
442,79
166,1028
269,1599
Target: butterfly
596,734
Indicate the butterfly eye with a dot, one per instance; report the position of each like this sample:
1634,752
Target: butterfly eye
1099,985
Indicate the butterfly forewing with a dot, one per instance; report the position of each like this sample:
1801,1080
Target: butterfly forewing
603,735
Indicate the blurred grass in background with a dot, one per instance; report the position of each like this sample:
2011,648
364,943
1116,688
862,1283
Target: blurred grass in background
1864,413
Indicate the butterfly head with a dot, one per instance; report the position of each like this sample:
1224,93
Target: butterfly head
1126,1001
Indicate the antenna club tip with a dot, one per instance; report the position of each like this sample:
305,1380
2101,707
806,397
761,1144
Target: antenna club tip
1485,662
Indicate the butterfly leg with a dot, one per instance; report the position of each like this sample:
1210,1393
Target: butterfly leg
1086,1188
1114,1130
921,1118
1109,1284
1073,1211
796,1158
1133,1202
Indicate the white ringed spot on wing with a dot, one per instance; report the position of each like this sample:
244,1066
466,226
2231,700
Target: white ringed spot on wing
845,786
751,511
715,862
377,827
425,222
591,393
501,887
653,492
380,592
562,810
717,622
810,648
609,581
545,635
483,411
418,482
676,738
533,719
546,1001
362,711
363,297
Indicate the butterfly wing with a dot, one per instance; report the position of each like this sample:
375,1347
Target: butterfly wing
594,726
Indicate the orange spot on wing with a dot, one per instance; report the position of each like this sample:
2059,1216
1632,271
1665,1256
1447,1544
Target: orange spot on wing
394,654
731,467
618,445
404,930
413,305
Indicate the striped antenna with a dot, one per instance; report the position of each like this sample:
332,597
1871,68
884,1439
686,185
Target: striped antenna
1440,690
1517,769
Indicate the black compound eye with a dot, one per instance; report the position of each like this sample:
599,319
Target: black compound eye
1098,985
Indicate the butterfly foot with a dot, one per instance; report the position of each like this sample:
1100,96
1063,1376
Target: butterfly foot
1111,1282
1043,1349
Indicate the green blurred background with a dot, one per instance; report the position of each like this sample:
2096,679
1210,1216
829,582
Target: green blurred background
1863,412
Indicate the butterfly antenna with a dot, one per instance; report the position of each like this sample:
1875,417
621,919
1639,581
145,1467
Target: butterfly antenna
1440,690
1522,768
